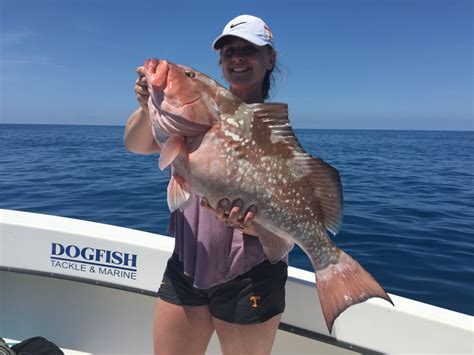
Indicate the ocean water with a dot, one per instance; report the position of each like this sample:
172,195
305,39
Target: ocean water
408,211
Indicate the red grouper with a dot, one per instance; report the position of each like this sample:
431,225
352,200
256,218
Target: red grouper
222,148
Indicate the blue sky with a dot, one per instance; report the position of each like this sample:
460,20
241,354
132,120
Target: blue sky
368,64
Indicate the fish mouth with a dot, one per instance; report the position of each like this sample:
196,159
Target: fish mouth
157,73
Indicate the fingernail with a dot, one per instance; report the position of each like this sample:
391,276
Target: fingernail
224,202
253,209
238,203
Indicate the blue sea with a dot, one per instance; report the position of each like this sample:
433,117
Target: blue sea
408,212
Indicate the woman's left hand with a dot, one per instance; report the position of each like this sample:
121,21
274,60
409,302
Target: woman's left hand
229,213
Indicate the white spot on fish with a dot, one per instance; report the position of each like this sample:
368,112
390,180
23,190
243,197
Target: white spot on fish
234,137
232,122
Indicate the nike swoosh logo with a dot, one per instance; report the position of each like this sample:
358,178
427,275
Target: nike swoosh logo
236,24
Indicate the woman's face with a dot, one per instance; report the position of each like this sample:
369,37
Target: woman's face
244,64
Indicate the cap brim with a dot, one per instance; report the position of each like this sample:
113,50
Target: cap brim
219,41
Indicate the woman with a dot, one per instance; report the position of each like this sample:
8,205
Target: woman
219,278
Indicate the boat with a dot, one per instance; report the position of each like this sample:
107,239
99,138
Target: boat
90,288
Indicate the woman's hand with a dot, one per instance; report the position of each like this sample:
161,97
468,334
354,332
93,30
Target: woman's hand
141,88
229,213
138,137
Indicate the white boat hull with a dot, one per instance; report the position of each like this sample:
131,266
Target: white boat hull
51,267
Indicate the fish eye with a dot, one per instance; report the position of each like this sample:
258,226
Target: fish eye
189,73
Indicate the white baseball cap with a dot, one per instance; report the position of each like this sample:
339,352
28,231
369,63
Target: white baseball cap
248,27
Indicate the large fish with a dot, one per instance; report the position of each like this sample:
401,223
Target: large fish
222,148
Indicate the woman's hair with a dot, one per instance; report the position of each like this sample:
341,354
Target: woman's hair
268,79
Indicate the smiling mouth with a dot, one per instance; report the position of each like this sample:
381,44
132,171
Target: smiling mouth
239,70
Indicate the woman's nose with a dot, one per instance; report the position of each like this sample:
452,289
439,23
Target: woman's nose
238,58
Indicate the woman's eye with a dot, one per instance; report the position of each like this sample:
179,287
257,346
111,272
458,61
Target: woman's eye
189,73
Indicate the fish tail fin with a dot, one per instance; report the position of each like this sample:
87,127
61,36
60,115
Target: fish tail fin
344,284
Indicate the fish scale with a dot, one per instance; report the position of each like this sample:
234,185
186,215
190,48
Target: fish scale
220,147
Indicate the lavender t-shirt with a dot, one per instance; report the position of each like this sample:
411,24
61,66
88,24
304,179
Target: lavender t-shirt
212,252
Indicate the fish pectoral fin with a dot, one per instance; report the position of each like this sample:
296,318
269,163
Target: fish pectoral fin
179,193
275,247
170,150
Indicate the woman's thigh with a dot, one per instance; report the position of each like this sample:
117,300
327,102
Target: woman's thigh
181,329
246,339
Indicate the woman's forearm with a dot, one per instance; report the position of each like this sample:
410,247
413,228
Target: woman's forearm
138,136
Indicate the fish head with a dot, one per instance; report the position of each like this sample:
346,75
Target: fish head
182,92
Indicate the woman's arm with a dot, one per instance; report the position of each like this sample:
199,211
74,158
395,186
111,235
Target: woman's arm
138,136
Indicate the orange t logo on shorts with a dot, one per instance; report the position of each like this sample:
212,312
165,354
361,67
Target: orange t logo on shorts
254,300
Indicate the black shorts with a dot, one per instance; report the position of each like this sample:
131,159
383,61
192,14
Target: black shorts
251,298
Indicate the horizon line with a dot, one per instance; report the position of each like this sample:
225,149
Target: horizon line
309,128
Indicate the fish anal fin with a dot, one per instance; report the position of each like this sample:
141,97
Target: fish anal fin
276,247
344,284
179,193
170,150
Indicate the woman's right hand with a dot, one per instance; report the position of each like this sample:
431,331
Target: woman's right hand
141,89
138,134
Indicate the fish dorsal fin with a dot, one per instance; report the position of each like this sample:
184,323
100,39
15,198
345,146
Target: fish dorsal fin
271,125
170,150
271,110
327,187
273,132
